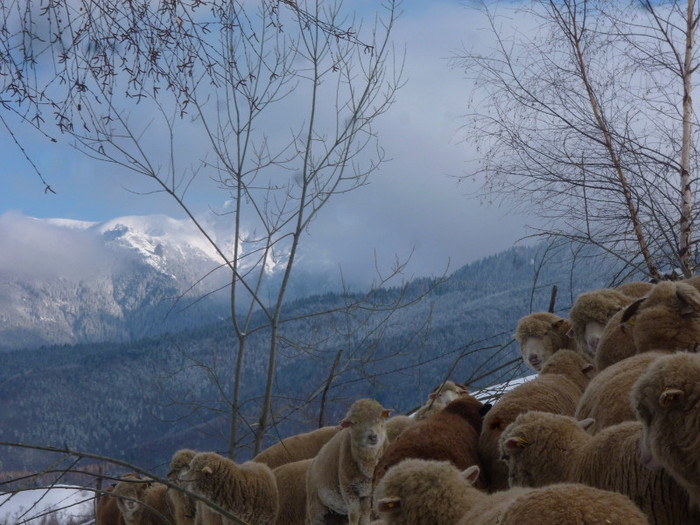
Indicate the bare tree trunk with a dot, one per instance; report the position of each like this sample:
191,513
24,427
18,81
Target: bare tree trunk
684,248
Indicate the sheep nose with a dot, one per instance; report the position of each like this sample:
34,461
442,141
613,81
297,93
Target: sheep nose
534,359
594,343
373,439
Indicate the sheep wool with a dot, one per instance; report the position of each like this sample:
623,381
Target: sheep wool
248,491
616,343
296,448
107,511
184,507
607,397
666,399
418,491
540,335
142,501
541,449
557,389
635,289
339,479
439,398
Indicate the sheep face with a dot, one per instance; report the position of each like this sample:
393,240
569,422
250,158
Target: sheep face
592,334
366,420
129,492
666,399
535,352
447,393
180,464
201,471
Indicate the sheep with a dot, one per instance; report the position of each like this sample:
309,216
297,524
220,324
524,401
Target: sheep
107,511
590,314
540,335
556,389
451,435
184,507
439,399
665,399
607,397
296,448
248,491
141,501
420,491
635,289
339,478
541,448
395,425
666,319
616,343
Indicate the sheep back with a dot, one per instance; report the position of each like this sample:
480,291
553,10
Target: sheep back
296,448
615,344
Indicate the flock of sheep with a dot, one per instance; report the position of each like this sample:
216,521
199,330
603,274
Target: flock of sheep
608,432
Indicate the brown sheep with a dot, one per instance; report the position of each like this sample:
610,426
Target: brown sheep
141,501
184,507
450,435
590,314
607,397
557,389
665,399
616,343
248,491
435,492
666,319
541,449
107,511
296,448
439,398
540,335
339,479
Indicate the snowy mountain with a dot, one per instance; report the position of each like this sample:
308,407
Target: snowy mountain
67,282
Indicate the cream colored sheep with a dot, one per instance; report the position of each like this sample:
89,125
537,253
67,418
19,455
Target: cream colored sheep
607,397
540,335
635,289
183,506
590,314
556,389
439,398
248,491
666,400
666,319
141,501
418,491
395,425
541,449
616,343
339,478
296,448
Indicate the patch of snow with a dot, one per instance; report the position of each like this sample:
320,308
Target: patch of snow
65,503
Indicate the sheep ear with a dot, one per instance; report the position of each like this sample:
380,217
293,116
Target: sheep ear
588,367
345,423
587,423
432,395
630,310
207,470
670,396
570,333
484,409
386,413
471,474
387,505
559,325
516,443
689,306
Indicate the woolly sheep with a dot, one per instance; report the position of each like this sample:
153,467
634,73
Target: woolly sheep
590,314
184,507
557,389
339,478
450,435
426,491
141,501
616,343
107,511
541,448
635,289
439,398
296,448
665,399
395,425
248,491
666,319
607,397
540,335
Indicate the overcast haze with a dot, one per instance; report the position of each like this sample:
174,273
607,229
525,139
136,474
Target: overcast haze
412,204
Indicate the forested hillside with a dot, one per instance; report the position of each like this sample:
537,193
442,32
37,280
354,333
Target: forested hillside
140,402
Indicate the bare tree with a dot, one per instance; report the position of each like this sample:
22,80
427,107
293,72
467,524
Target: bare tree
273,102
586,120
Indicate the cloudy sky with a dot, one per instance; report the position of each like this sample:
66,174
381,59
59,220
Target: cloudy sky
412,205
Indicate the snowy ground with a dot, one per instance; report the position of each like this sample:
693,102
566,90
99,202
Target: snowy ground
61,505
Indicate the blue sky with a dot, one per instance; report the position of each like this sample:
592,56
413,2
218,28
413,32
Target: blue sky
413,204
